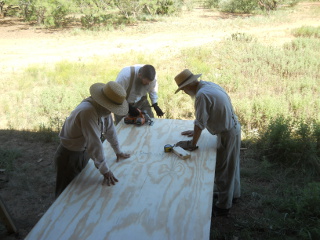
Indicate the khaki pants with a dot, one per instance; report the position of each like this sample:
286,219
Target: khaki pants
68,165
143,104
227,174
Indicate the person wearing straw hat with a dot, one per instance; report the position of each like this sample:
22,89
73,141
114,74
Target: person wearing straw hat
80,136
139,80
214,111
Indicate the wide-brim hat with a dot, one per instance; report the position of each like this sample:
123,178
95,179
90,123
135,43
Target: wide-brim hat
184,78
111,96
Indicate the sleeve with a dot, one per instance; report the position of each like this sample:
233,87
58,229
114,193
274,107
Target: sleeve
91,132
153,91
202,115
123,77
111,134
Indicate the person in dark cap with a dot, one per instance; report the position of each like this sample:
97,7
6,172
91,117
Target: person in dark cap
214,111
138,81
80,136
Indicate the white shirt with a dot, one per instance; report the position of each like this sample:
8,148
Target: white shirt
213,107
82,130
137,93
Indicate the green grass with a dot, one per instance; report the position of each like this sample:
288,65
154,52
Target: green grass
307,31
7,158
262,81
276,203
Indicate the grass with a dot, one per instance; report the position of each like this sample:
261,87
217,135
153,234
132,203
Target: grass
7,157
280,195
307,31
278,204
263,82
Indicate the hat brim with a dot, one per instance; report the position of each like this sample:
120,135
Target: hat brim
190,80
99,97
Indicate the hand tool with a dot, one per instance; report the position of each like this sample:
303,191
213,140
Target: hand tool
180,152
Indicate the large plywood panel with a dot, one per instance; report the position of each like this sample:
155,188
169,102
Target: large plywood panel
158,196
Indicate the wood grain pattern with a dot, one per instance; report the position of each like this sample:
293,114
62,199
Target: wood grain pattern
158,196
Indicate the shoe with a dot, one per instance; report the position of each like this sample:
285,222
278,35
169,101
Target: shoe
218,212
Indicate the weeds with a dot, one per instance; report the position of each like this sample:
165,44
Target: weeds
291,144
7,157
307,31
262,81
279,203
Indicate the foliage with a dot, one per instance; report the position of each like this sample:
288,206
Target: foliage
7,157
291,144
93,20
281,80
48,12
93,13
104,14
168,7
136,8
300,209
262,81
130,8
49,134
211,3
112,13
247,6
237,6
307,31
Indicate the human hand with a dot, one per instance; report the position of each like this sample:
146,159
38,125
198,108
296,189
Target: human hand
158,110
188,133
109,178
186,145
122,156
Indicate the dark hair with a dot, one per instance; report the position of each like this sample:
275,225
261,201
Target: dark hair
148,71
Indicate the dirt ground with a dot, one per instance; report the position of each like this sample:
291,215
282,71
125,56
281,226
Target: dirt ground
25,193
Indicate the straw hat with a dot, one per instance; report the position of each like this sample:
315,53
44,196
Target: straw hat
184,78
111,96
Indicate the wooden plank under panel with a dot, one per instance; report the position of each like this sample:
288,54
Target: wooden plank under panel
158,196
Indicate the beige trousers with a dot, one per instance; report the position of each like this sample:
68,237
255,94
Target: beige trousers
227,174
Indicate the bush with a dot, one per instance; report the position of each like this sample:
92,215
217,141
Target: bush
211,3
48,12
238,6
7,157
293,144
308,206
307,31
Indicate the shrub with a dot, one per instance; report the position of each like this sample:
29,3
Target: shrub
307,31
211,3
7,157
290,143
238,6
48,12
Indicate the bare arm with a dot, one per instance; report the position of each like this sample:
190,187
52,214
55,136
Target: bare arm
196,135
